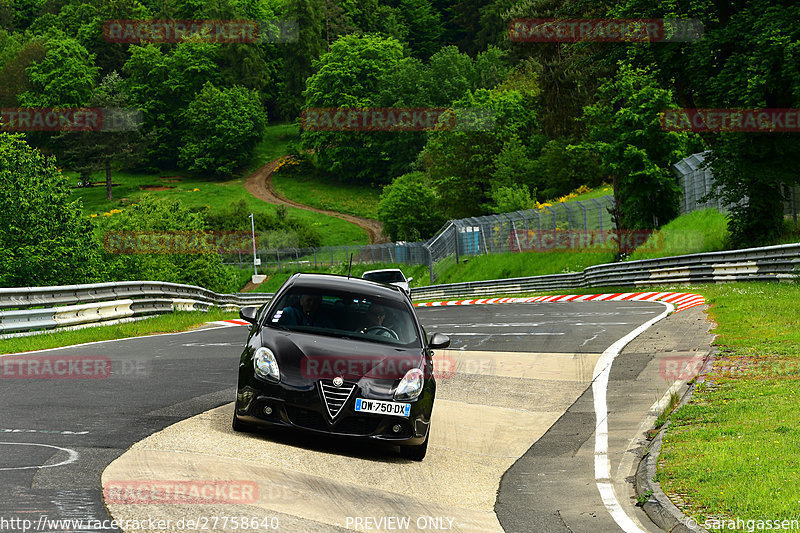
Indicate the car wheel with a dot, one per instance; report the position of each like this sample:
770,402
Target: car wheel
416,453
243,427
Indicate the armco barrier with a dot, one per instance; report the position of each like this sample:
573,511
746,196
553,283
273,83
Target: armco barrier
770,263
44,308
34,308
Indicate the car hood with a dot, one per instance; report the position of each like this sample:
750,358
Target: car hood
304,358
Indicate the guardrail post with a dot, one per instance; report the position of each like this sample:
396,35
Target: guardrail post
539,230
599,218
555,231
430,264
457,235
315,258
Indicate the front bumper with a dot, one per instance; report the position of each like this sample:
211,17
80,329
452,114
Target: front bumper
303,409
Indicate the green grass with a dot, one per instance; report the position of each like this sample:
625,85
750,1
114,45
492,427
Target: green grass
513,265
323,193
597,192
732,451
178,321
218,194
274,144
696,232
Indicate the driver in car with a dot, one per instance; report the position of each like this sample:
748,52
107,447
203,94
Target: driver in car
375,317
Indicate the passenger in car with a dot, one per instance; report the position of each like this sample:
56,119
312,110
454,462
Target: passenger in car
305,313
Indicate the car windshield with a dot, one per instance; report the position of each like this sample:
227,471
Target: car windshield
388,276
345,314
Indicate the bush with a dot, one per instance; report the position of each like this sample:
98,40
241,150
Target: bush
407,208
279,231
150,214
44,240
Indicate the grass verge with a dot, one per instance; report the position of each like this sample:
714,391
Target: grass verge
696,232
732,451
323,193
513,265
216,194
178,321
274,144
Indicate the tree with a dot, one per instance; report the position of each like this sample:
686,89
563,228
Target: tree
747,58
14,74
406,208
624,127
163,85
299,55
44,238
118,144
223,127
425,27
462,163
65,77
352,75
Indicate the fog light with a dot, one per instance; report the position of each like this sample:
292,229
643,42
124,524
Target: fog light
397,428
268,410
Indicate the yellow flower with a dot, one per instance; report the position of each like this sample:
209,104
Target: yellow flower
93,215
106,214
195,190
116,211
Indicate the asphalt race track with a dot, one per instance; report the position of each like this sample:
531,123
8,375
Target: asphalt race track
57,436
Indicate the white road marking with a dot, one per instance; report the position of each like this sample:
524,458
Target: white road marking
44,431
526,324
205,344
73,456
602,468
112,340
519,334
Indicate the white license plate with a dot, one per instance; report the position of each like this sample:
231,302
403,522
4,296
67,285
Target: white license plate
382,408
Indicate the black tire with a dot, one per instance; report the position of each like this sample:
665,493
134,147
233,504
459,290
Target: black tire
416,453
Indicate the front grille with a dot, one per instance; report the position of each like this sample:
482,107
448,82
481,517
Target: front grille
306,419
335,397
358,425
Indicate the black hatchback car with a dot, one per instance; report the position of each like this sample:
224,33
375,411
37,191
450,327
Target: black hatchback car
339,356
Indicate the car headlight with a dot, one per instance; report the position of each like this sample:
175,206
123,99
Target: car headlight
410,386
265,364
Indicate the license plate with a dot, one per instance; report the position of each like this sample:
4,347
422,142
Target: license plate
382,408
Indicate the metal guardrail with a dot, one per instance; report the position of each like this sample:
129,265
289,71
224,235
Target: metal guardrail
45,308
770,263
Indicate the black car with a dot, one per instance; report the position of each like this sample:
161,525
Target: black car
339,356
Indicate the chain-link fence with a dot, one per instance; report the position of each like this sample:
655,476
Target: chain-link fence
523,231
572,224
697,182
294,259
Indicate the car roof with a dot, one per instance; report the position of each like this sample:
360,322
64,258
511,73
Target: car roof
334,281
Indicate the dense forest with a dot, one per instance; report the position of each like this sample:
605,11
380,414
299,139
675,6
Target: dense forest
565,114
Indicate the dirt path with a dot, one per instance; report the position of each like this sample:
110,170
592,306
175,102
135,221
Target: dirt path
259,184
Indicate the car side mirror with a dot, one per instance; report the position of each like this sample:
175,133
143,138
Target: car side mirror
410,280
439,340
249,313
